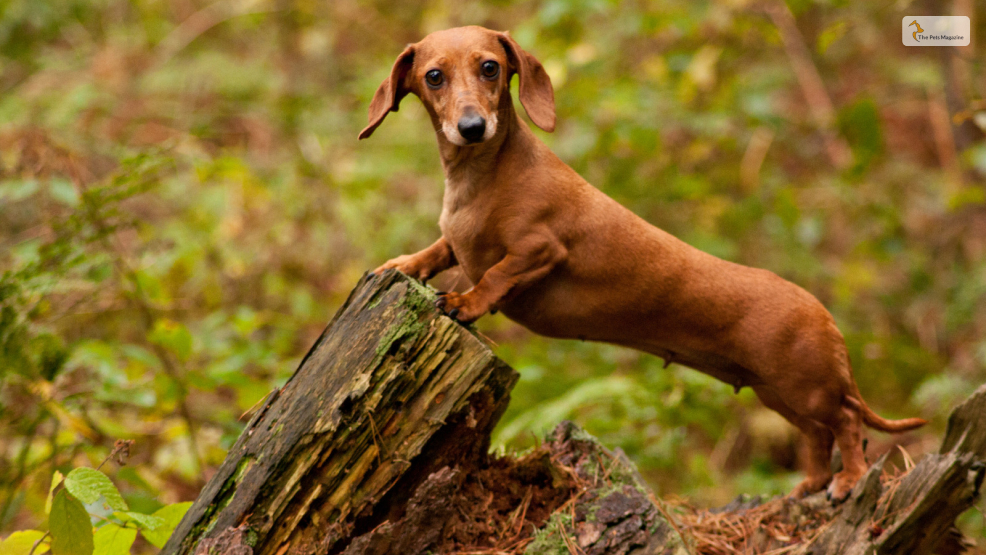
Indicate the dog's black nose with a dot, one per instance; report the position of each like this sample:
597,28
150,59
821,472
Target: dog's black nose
472,128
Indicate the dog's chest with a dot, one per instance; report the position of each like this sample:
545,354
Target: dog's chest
466,224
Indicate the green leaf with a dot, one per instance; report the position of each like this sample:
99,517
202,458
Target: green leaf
71,532
20,189
173,336
56,479
829,35
20,543
150,286
63,191
88,484
114,540
171,515
860,123
145,522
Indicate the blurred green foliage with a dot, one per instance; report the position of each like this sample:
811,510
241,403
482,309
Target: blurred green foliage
183,205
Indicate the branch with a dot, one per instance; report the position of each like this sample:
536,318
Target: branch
819,103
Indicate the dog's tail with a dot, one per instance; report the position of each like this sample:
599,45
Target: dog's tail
877,422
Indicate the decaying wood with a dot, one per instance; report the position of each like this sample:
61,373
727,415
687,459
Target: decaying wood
379,444
915,513
604,508
910,513
391,392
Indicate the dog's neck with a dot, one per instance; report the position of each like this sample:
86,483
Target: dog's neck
469,168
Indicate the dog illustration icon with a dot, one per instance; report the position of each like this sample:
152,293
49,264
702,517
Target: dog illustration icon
915,33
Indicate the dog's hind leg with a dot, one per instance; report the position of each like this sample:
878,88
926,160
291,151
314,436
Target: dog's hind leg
817,447
848,427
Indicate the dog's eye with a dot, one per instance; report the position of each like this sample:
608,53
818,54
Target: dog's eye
434,78
490,69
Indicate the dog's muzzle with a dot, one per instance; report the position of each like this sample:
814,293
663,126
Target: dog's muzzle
472,128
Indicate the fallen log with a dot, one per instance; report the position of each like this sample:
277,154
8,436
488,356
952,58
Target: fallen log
379,444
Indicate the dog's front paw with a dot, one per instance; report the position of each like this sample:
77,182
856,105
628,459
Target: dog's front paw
464,307
407,264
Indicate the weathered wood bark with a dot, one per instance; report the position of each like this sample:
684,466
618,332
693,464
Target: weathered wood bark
391,392
916,513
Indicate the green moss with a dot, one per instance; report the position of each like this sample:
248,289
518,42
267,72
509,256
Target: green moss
251,537
226,493
618,470
374,302
417,301
549,540
623,473
409,328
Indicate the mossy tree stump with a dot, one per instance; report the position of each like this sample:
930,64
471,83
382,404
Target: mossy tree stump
392,391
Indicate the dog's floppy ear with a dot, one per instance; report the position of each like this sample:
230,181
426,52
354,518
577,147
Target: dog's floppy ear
536,93
391,91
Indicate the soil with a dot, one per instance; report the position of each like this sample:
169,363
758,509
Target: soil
572,492
491,505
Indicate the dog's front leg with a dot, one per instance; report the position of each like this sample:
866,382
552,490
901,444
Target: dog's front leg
531,260
423,264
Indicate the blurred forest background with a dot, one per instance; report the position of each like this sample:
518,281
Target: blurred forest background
184,204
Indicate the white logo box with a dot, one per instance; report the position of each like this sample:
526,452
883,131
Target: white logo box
936,30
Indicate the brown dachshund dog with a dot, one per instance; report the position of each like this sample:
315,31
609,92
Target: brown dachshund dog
558,256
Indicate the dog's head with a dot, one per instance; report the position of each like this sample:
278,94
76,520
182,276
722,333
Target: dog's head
460,75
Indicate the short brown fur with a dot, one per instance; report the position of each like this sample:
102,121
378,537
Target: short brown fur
563,259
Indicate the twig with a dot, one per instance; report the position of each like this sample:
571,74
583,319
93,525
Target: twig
203,20
941,127
572,548
819,103
908,461
38,542
664,512
753,157
121,450
374,435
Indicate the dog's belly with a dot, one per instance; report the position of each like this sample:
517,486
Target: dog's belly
555,310
713,364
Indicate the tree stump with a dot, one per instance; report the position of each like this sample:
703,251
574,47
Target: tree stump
392,391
